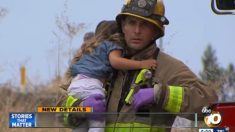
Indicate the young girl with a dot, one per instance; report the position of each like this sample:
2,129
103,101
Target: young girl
96,60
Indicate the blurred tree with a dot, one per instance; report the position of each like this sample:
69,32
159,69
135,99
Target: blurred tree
223,80
65,33
229,84
211,70
69,29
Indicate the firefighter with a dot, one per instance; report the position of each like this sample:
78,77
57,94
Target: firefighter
175,87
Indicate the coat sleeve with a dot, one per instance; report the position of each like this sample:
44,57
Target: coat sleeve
182,91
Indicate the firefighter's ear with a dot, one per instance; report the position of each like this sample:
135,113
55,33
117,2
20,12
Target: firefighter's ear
223,7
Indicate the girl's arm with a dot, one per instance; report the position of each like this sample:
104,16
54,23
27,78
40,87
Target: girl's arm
120,63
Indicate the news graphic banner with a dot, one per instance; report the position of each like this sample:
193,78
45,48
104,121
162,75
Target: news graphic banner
213,130
64,109
217,118
22,120
43,117
53,117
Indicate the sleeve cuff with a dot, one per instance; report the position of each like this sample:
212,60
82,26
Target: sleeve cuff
157,92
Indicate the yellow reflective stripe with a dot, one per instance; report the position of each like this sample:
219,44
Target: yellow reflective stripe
132,127
141,77
66,119
70,100
175,99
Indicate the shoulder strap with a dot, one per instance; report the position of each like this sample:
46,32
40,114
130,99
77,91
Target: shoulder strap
156,53
154,79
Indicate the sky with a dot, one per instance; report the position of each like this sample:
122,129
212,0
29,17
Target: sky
27,34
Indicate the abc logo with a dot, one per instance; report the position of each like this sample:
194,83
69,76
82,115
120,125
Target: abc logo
213,119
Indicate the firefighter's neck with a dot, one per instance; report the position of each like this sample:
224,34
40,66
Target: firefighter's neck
133,52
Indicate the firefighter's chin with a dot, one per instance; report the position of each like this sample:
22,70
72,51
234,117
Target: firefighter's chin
136,45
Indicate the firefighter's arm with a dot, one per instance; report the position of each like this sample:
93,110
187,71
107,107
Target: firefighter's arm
120,63
188,94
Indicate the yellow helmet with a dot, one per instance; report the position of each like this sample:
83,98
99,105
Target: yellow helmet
152,11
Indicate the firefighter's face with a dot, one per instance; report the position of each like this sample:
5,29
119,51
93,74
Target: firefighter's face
138,33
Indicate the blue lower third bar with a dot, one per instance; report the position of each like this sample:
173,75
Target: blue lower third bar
22,120
220,130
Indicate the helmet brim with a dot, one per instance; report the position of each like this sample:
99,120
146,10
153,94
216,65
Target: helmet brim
155,23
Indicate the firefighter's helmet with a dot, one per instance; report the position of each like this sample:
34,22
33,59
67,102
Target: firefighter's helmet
152,11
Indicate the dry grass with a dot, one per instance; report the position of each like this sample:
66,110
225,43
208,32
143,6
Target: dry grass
14,101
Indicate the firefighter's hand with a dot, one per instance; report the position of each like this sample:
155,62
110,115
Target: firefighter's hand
149,64
98,104
143,97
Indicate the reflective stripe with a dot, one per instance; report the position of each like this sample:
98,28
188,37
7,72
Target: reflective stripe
175,99
132,127
142,76
69,102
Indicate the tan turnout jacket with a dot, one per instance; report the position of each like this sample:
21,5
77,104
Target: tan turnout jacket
170,71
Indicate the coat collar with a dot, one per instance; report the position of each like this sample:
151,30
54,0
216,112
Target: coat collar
148,52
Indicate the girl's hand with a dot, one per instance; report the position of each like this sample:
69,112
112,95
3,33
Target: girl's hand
148,64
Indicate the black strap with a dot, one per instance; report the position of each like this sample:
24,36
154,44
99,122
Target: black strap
126,87
109,85
154,80
156,53
163,86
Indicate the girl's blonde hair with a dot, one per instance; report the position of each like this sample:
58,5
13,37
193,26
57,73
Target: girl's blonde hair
105,30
